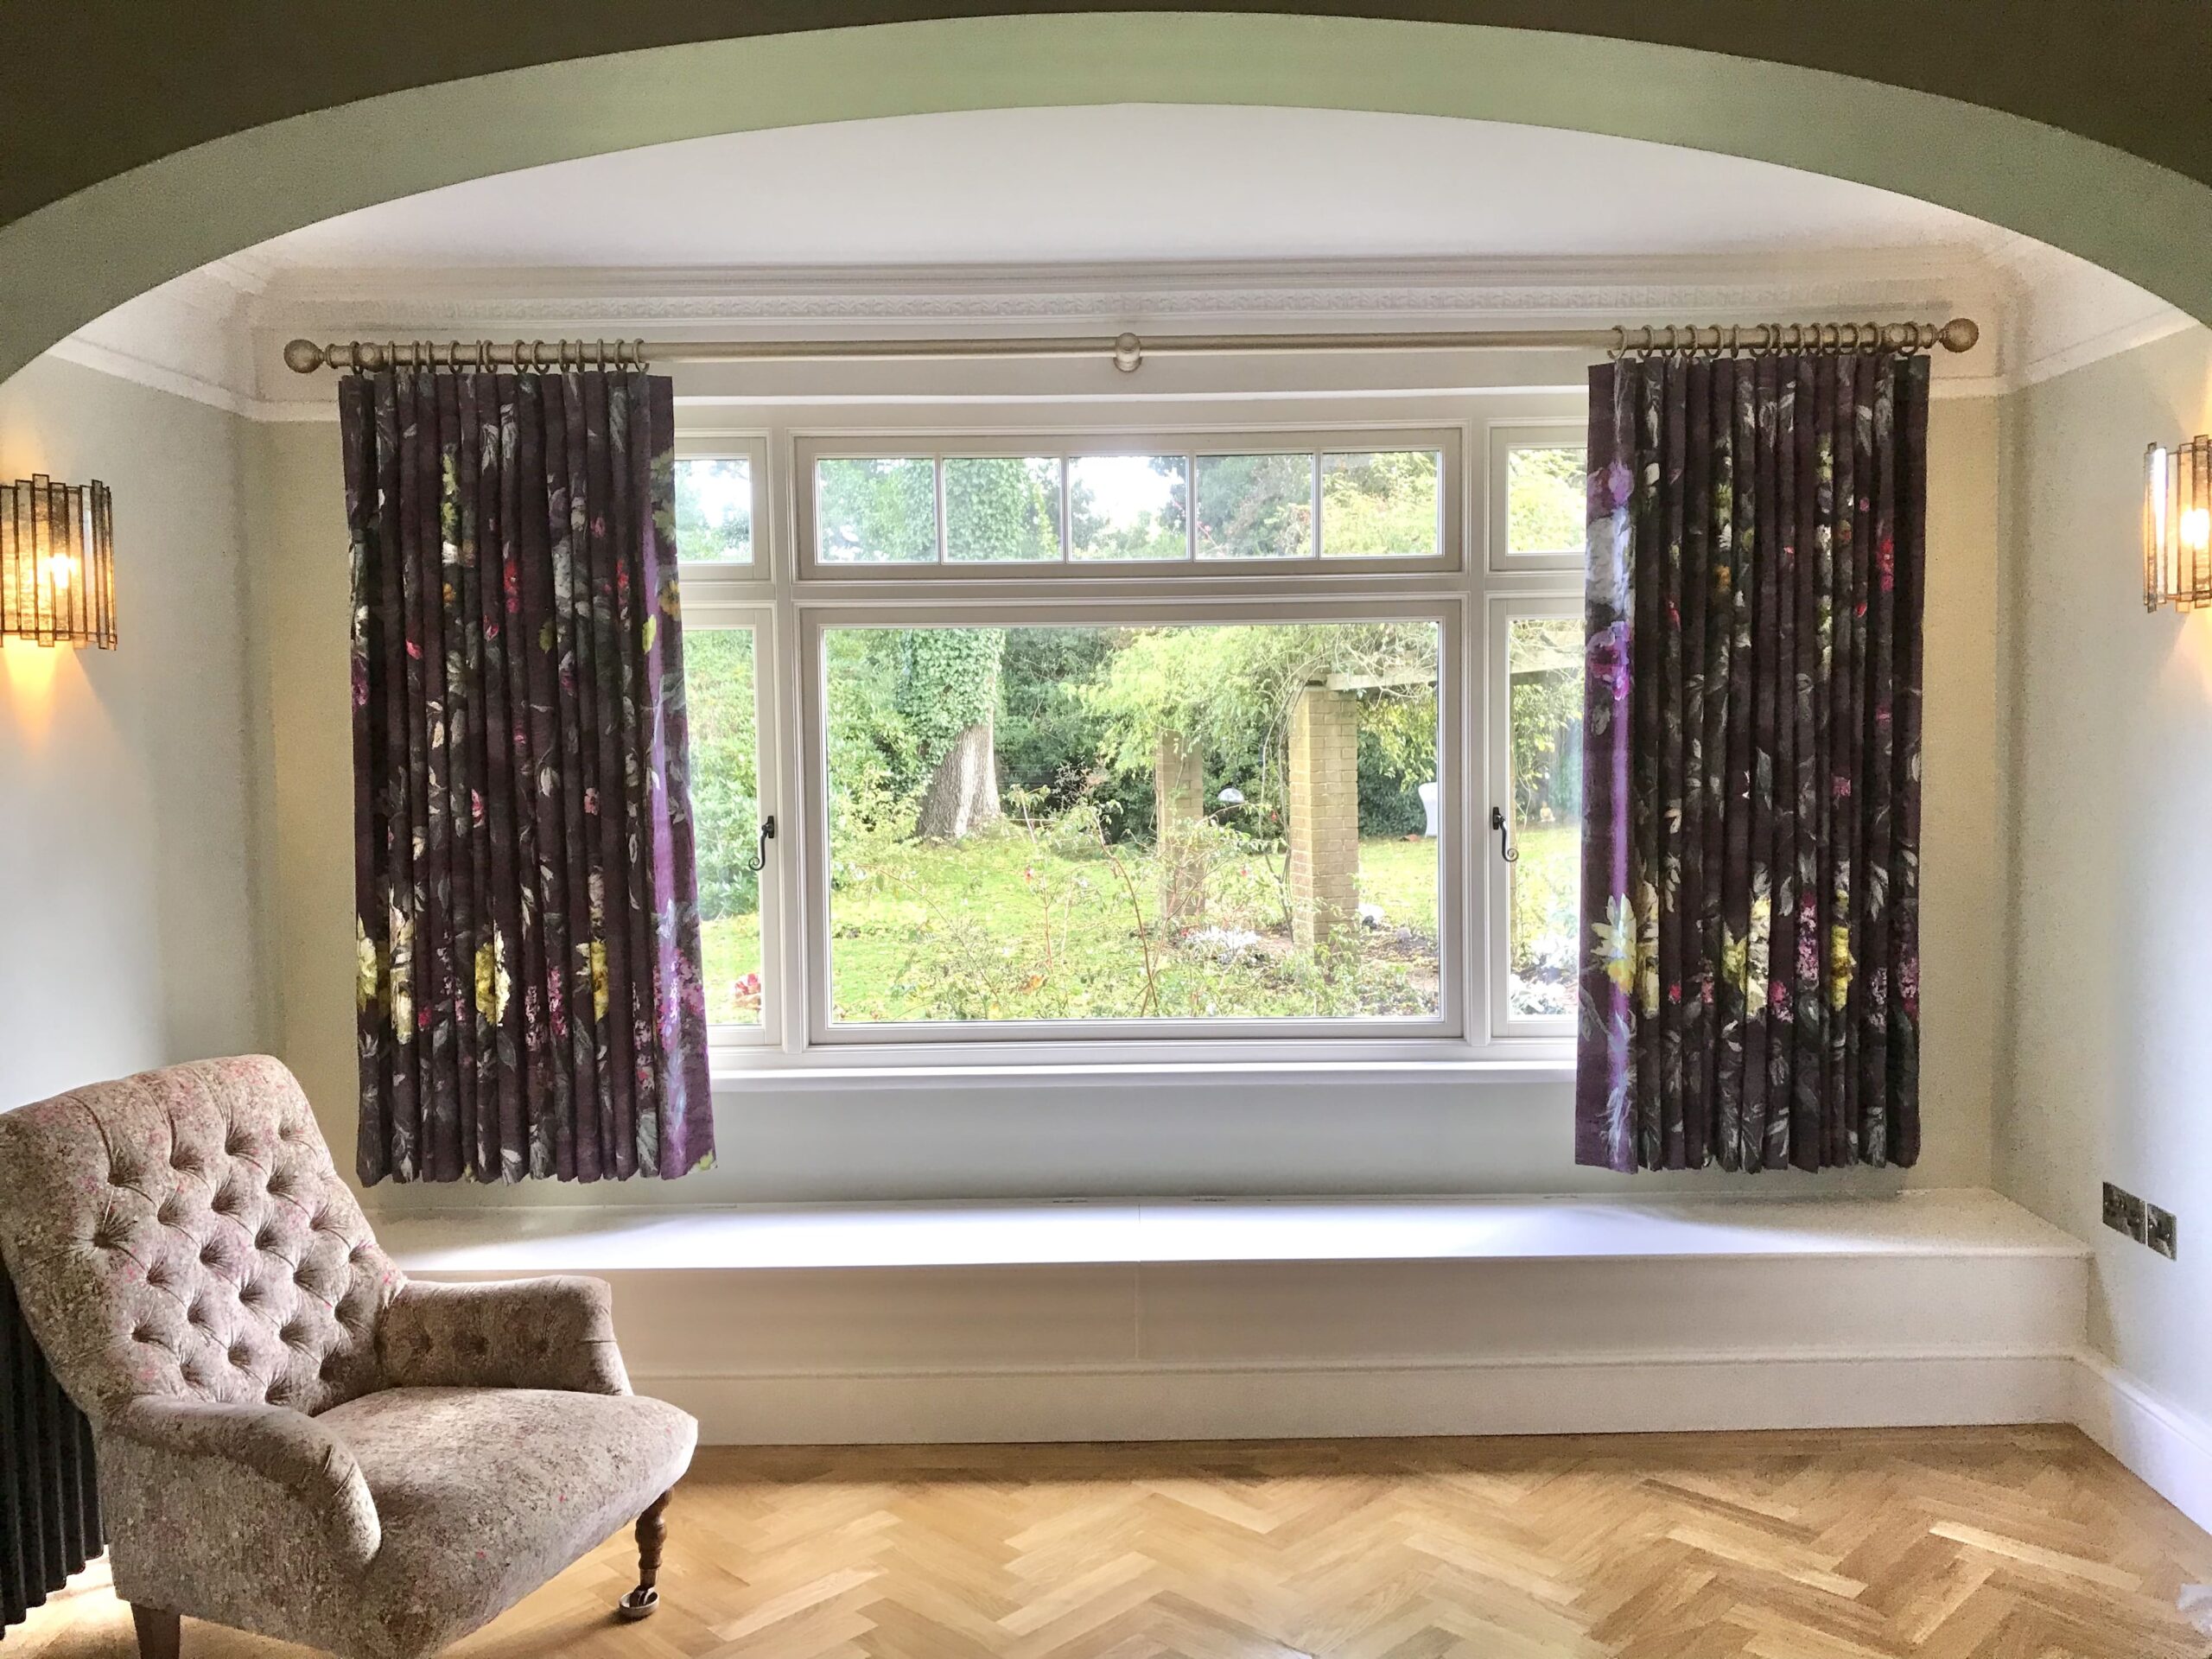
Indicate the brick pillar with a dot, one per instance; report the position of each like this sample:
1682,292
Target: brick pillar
1179,801
1324,781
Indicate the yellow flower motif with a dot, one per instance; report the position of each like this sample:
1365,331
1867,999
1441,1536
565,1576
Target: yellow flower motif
1840,964
1758,944
598,979
1615,939
1735,960
369,968
492,985
401,984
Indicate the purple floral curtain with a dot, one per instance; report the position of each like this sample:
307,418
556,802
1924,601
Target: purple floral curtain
526,912
1751,877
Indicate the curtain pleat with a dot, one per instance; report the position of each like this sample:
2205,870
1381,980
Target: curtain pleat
529,995
49,1492
1750,985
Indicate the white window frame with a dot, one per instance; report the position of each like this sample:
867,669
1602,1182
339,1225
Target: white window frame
1501,439
1505,1026
788,604
1445,610
938,445
750,448
715,615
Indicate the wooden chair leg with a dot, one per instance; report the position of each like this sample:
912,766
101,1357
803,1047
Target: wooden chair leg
653,1532
161,1634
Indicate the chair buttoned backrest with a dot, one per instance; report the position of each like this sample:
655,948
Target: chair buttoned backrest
183,1232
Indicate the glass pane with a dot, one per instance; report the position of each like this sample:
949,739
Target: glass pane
726,813
1128,507
1255,507
1544,661
1381,504
713,509
1133,823
1002,510
876,510
1545,509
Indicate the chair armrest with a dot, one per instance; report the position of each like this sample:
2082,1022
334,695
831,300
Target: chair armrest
515,1333
173,1469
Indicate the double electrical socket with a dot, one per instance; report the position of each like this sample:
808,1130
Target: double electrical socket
2144,1223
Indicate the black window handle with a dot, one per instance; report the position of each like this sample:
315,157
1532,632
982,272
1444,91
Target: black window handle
1504,835
760,860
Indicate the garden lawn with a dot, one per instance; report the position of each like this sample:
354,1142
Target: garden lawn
1007,927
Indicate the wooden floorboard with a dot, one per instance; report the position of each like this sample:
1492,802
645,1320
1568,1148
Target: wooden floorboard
2019,1543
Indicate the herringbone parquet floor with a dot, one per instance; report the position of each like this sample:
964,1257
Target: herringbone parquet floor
2023,1543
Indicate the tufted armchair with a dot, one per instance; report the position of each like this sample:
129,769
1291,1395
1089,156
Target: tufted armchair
292,1439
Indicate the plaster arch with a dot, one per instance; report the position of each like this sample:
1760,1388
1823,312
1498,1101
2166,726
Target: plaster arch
74,258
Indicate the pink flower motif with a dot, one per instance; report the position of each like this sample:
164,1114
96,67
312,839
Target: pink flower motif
1619,485
1607,657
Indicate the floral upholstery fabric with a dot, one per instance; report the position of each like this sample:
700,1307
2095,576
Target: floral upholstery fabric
531,1333
292,1438
485,1493
183,1232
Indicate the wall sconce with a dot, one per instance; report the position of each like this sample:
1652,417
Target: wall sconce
2178,526
57,562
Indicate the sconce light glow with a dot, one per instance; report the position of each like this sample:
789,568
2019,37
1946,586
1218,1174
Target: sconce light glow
2177,526
57,562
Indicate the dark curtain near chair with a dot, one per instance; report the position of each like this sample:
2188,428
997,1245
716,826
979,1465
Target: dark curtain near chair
1750,979
49,1488
529,992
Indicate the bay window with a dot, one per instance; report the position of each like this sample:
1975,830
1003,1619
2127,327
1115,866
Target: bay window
1125,743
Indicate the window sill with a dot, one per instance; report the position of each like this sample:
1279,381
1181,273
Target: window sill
735,1070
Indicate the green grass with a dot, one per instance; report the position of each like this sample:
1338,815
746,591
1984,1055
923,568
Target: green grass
1547,896
1007,927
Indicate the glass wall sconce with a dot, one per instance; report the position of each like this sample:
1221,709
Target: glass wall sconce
57,562
2178,526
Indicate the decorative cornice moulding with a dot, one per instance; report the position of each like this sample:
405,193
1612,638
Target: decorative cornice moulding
215,334
1013,293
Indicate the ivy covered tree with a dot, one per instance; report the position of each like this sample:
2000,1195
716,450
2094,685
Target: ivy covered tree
1229,691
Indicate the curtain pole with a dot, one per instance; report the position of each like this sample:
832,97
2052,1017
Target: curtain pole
1127,352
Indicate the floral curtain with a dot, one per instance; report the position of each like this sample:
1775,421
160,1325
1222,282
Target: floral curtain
1750,979
527,922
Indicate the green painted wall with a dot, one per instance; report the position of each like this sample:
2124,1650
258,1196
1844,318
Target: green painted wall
75,256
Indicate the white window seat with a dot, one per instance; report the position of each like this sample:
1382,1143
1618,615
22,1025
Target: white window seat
1171,1319
1967,1221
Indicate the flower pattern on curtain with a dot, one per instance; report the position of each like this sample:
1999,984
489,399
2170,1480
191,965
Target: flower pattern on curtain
527,929
1749,976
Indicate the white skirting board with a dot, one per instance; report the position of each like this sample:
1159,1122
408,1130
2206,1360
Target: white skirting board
2169,1449
1579,1394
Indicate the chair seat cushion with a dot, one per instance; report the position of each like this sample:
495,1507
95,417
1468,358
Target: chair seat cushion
484,1494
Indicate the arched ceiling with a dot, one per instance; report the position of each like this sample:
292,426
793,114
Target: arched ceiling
154,77
1120,183
94,88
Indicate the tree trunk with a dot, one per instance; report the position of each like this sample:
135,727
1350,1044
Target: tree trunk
964,794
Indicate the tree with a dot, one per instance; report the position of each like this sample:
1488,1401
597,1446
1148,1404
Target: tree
718,691
1229,690
714,508
947,694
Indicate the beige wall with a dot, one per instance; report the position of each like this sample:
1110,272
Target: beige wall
2110,935
124,878
818,1141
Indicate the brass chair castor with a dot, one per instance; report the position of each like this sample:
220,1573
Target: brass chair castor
641,1603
